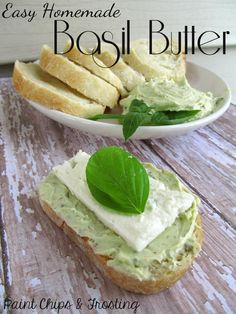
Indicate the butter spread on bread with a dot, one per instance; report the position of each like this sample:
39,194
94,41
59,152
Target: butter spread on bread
162,208
155,267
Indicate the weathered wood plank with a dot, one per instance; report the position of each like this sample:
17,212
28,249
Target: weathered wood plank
225,125
207,161
43,262
2,281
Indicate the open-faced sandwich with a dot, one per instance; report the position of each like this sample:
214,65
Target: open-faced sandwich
92,86
138,224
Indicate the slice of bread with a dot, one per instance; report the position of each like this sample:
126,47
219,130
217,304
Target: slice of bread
128,76
166,280
95,66
83,227
78,78
163,65
36,85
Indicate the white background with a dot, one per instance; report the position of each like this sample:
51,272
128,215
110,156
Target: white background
22,40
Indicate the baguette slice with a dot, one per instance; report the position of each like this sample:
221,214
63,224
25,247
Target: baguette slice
95,66
128,76
164,65
78,78
35,84
166,280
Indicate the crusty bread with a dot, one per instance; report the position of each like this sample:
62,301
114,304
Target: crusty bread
35,84
124,281
128,76
78,78
95,66
163,65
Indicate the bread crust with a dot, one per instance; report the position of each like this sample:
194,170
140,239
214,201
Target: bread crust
124,281
128,76
78,78
49,98
147,68
96,66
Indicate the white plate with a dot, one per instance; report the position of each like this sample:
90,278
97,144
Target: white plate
198,77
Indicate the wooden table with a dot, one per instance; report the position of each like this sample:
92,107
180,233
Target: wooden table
39,261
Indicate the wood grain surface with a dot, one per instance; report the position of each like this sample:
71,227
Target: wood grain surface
40,261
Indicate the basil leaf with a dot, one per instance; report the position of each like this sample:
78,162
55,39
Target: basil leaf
141,114
132,121
175,115
107,116
159,118
138,106
172,117
103,198
118,180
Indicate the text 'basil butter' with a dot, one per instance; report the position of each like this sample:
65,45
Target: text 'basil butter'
118,180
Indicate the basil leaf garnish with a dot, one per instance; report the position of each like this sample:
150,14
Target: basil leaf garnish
172,117
141,114
118,180
132,121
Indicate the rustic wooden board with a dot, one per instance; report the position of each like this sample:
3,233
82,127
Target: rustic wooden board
206,160
42,262
224,125
2,284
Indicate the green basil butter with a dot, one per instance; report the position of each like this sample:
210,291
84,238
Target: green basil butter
172,95
166,252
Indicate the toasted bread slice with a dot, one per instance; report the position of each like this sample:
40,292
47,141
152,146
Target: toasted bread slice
78,78
128,76
162,65
95,66
36,85
166,280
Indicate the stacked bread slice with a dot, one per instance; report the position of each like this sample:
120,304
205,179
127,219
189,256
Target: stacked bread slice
84,85
35,84
95,66
167,64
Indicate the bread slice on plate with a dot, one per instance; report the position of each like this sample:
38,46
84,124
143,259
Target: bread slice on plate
95,66
163,65
152,269
78,78
128,76
34,84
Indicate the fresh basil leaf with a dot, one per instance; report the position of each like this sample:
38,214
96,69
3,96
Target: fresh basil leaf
175,115
107,116
141,114
103,198
132,121
138,106
172,117
118,180
159,118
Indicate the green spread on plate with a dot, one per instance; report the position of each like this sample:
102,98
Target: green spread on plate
172,95
171,248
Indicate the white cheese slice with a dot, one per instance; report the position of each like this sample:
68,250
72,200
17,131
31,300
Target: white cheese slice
162,208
